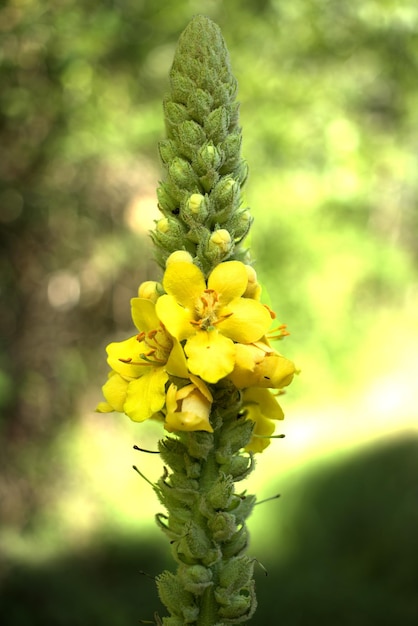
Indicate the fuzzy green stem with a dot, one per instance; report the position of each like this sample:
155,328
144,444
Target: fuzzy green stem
206,521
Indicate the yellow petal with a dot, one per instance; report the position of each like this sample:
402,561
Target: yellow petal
185,282
175,318
249,321
211,355
186,421
104,407
176,364
229,280
202,387
262,408
144,315
187,409
269,407
130,349
146,395
114,391
268,369
264,428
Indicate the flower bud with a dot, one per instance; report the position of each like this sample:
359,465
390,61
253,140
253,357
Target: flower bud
253,289
167,150
210,156
182,174
195,202
175,113
258,365
188,408
179,255
168,234
241,224
150,290
220,242
216,124
163,225
200,104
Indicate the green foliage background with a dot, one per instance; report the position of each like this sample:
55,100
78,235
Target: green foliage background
330,117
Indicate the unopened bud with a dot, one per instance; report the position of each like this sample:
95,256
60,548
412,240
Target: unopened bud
195,202
150,290
179,255
220,239
163,225
253,289
182,173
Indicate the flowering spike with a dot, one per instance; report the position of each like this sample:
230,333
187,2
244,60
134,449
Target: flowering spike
200,362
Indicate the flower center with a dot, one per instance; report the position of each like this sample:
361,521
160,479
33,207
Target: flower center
208,310
157,344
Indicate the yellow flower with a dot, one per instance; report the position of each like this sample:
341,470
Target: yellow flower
262,408
141,366
188,408
258,365
210,317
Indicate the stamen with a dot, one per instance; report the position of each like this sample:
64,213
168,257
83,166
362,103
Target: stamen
271,312
130,362
278,333
222,318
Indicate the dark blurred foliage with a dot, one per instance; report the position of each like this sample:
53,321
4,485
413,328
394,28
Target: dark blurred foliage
351,527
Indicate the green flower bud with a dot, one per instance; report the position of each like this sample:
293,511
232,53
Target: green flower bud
240,224
168,151
195,578
169,197
236,606
174,113
226,194
167,233
190,133
181,86
199,104
231,149
223,526
182,174
216,124
236,573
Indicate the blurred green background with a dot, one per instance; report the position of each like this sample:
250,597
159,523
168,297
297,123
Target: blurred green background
330,121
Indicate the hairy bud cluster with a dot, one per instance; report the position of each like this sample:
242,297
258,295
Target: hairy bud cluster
201,195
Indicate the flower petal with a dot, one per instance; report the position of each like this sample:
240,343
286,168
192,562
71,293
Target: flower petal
194,409
262,408
130,349
211,355
267,402
254,367
144,315
175,318
229,280
114,391
249,321
263,428
185,282
176,364
146,395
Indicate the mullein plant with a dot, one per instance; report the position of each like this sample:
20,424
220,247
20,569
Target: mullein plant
201,361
